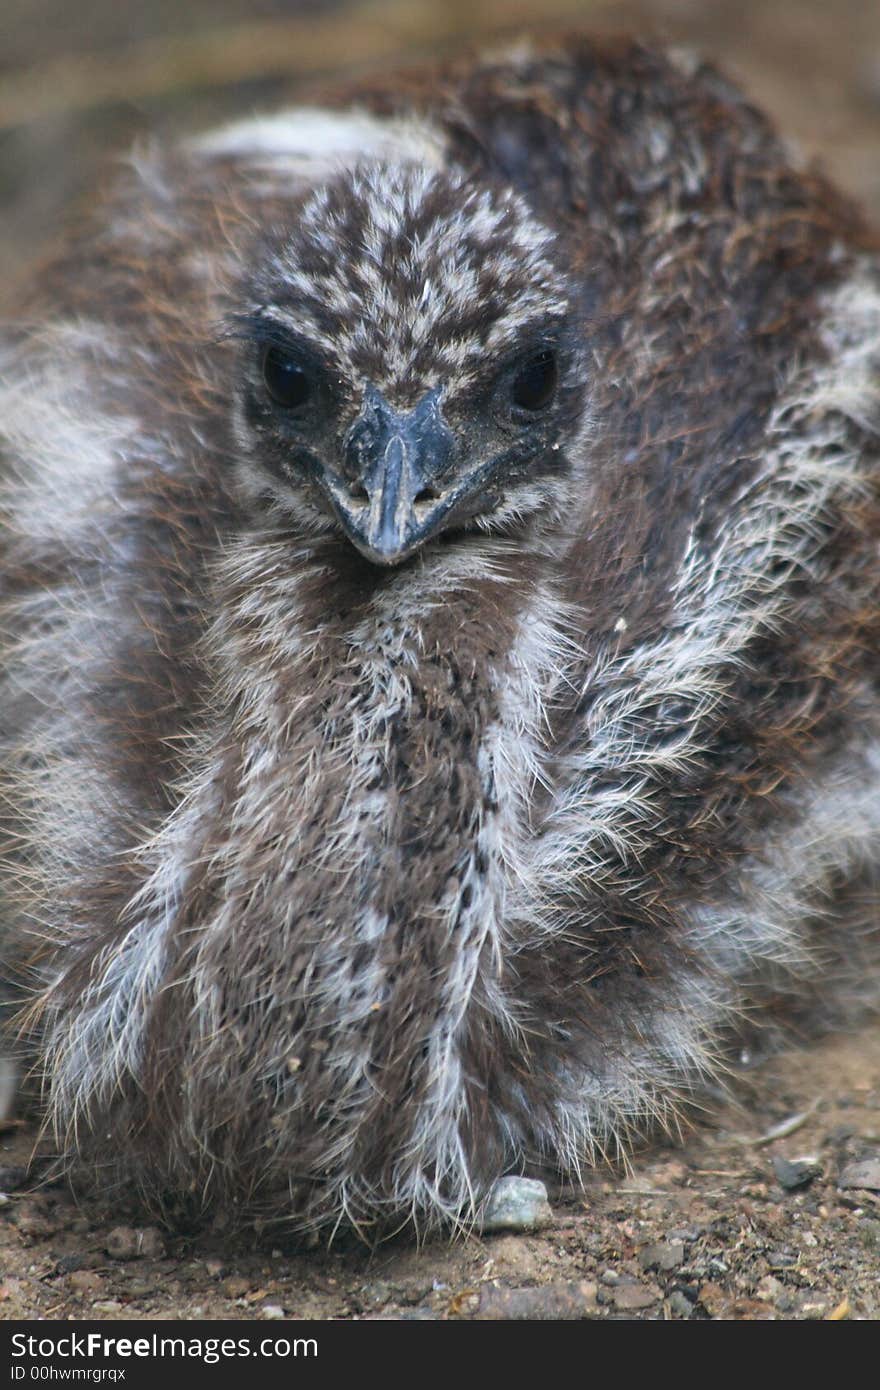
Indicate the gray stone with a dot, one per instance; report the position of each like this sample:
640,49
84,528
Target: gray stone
864,1173
665,1255
133,1243
630,1297
517,1204
792,1173
679,1304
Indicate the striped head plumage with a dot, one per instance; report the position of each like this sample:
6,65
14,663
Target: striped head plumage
411,361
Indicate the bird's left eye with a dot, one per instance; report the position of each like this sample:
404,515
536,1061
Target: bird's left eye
286,380
535,383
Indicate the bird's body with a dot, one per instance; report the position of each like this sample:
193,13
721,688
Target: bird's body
441,602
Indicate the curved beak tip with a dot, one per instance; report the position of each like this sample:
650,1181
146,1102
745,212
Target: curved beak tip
397,457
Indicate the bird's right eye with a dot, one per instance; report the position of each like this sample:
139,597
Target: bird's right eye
535,383
286,380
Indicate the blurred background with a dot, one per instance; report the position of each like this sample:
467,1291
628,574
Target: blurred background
80,80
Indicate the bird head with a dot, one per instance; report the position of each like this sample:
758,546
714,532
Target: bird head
409,365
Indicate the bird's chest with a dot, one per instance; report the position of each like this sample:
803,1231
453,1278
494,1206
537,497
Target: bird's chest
404,791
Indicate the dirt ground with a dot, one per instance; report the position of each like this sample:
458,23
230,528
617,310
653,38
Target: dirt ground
702,1229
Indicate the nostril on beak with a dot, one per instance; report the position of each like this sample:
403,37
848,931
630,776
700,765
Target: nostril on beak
357,492
426,495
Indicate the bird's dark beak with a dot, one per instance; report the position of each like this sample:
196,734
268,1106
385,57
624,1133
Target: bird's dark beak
390,500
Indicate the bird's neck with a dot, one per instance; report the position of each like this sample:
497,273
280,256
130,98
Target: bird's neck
386,725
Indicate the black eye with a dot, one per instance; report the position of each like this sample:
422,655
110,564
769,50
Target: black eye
286,381
535,384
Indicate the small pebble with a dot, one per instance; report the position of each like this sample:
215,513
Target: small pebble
813,1308
133,1243
142,1288
377,1292
85,1281
864,1173
679,1305
630,1296
665,1256
34,1221
792,1173
517,1204
548,1303
272,1312
236,1286
769,1289
781,1259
